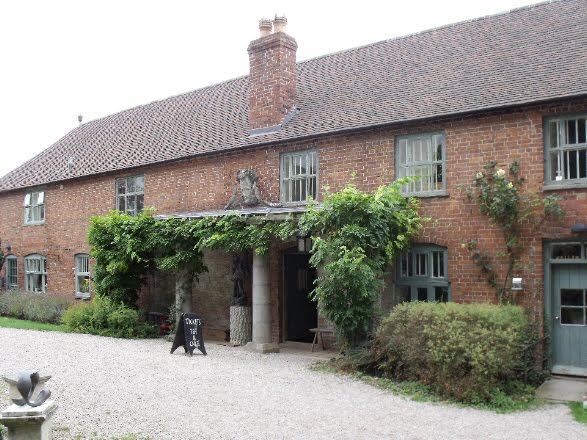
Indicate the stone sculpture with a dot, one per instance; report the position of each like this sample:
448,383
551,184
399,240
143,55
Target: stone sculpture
250,194
26,384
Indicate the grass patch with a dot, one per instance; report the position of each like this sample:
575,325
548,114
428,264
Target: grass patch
578,412
522,399
31,325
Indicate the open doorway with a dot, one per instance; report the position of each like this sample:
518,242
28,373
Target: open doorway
301,313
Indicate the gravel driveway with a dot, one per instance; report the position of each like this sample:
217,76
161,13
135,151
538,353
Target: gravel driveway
111,387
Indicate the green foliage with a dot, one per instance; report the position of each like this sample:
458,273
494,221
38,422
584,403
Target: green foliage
579,413
500,197
356,234
31,325
33,306
105,317
474,353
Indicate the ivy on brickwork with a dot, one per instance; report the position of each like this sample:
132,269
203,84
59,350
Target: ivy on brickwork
355,234
500,197
127,248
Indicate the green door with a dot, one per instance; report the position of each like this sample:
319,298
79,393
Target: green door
569,317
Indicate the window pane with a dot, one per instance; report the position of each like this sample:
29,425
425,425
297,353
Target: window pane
121,204
566,251
553,134
402,294
27,199
421,264
422,294
121,186
130,185
441,294
572,297
571,133
41,198
582,131
140,203
139,184
574,316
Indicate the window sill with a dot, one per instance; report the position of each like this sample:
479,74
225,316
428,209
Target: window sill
563,186
82,296
34,223
428,195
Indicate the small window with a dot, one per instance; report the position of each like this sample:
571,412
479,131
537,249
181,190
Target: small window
422,275
421,156
566,147
35,272
11,272
299,176
130,194
34,207
82,276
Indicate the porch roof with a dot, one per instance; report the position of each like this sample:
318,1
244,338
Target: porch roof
268,211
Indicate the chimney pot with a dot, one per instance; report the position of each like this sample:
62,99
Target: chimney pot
280,23
265,27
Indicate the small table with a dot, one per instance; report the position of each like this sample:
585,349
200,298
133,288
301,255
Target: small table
319,335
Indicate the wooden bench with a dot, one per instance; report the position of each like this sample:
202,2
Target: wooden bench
319,335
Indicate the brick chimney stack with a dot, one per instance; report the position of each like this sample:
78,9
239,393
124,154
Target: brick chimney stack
272,77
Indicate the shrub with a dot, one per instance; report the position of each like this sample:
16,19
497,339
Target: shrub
469,352
33,306
105,317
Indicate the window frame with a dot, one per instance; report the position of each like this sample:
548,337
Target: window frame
29,206
402,170
134,212
307,177
43,266
11,261
413,281
549,178
80,273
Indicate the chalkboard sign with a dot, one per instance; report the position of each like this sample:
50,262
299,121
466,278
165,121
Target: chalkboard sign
189,334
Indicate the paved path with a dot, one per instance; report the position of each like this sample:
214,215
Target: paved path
110,387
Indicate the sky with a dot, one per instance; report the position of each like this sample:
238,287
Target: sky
62,58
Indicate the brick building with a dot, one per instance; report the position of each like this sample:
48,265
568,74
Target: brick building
438,104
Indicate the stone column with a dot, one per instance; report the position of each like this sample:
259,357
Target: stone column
261,307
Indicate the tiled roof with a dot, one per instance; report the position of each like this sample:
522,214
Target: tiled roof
531,54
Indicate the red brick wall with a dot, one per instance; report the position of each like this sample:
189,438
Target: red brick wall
206,183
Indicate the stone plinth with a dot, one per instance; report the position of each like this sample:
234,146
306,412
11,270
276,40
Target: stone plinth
259,347
28,423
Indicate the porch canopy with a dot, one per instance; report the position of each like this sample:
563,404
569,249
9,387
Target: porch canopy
261,295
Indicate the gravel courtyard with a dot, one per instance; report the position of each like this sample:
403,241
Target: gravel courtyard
111,387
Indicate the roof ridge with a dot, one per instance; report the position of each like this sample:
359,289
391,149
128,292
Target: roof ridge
434,29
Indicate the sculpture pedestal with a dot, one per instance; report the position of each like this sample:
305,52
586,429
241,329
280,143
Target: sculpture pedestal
28,423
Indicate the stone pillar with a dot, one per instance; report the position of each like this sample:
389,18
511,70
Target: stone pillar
261,307
28,423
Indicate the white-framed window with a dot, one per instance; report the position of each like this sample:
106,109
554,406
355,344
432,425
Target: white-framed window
11,272
422,156
130,194
566,149
82,276
35,273
299,176
422,275
34,207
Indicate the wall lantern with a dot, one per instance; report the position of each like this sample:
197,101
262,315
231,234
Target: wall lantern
579,227
8,248
516,283
304,243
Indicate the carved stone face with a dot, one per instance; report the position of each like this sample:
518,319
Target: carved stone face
247,180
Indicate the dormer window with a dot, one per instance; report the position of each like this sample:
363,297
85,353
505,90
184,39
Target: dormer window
34,207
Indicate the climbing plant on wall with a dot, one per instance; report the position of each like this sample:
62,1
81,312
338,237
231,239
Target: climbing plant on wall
356,234
500,197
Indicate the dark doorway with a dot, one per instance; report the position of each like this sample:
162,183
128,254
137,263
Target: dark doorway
300,312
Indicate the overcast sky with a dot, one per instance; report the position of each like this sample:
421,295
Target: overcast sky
64,58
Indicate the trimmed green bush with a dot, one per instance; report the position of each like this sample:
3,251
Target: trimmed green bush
105,317
33,306
468,352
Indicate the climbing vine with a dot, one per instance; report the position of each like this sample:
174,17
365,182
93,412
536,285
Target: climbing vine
500,197
356,234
